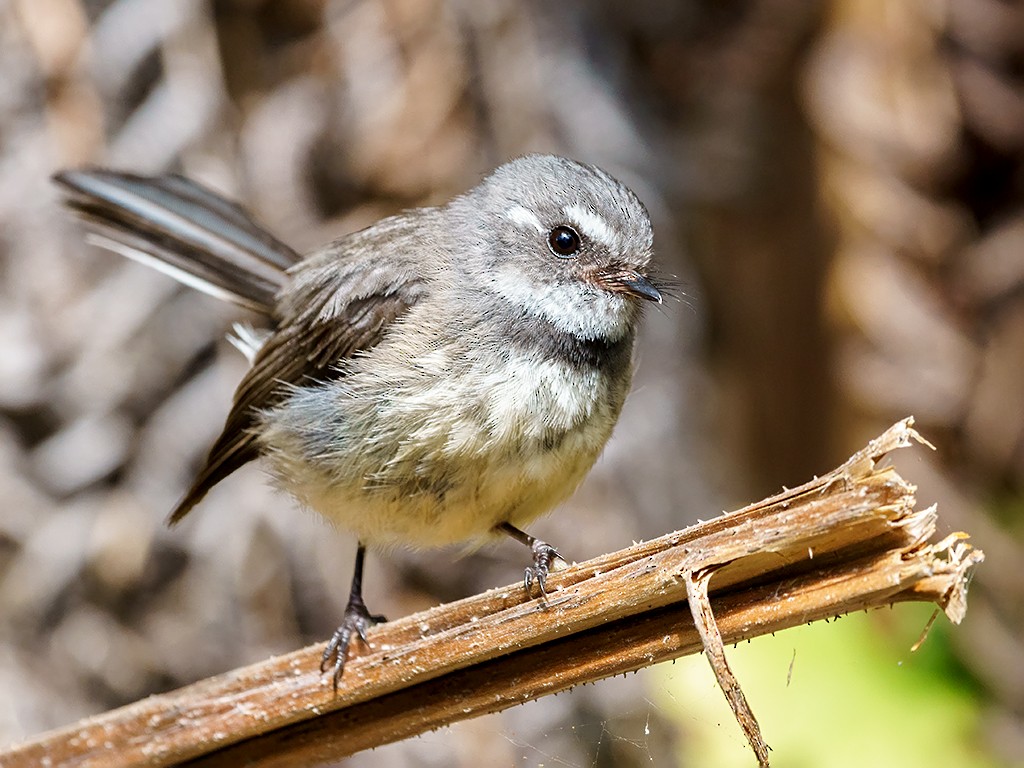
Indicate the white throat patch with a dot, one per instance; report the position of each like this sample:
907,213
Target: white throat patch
570,307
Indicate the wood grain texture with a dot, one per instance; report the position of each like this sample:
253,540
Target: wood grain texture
847,541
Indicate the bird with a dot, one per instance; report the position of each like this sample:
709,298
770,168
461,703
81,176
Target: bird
444,375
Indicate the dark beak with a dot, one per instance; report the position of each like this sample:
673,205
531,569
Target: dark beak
639,286
631,282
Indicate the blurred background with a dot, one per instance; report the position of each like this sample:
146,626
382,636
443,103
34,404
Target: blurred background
837,186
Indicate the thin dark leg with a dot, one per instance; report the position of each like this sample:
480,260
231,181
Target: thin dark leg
356,621
543,557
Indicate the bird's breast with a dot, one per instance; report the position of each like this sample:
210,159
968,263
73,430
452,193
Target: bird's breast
446,445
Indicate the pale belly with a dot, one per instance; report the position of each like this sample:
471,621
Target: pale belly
475,495
427,465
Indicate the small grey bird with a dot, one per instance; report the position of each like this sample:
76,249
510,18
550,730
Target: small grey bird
442,375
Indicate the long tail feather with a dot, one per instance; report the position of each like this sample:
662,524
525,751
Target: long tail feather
184,230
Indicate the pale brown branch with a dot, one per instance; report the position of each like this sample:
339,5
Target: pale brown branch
714,648
843,542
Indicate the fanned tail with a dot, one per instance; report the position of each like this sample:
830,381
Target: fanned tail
184,230
201,239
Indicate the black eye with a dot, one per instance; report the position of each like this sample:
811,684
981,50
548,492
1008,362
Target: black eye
564,241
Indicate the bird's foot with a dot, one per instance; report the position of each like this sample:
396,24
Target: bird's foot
356,621
543,558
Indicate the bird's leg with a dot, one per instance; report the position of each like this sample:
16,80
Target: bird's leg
543,557
356,621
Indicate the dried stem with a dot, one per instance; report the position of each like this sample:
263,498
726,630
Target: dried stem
849,540
711,637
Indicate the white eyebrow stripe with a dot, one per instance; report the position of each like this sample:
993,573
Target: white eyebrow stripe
524,217
591,223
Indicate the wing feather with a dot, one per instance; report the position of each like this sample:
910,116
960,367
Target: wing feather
294,355
323,309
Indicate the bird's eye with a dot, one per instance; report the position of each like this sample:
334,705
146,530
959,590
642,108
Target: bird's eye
563,241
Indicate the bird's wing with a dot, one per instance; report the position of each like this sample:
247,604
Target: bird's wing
319,328
324,309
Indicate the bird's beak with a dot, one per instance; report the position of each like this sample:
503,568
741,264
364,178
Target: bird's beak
628,281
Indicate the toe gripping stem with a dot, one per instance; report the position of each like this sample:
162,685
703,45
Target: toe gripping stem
356,621
543,558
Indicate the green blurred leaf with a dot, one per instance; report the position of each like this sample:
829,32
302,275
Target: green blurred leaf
856,697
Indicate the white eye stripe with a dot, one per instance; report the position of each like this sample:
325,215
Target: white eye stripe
591,224
588,222
524,218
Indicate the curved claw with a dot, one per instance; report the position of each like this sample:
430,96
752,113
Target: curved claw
543,557
357,620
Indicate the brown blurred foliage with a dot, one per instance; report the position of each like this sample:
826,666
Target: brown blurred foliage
919,111
838,187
